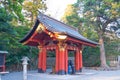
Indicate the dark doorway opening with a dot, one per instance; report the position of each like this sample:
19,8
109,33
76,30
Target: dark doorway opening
50,64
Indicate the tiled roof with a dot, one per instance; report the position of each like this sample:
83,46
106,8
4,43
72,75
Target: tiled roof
54,25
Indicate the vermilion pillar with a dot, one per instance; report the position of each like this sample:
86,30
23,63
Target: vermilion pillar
61,59
66,61
78,60
57,60
42,60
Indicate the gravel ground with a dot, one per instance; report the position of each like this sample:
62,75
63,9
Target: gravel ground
85,75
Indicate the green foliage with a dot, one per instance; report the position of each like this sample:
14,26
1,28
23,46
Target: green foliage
92,17
9,40
112,47
14,7
11,31
50,53
5,28
31,9
91,57
73,20
17,50
71,17
71,53
100,13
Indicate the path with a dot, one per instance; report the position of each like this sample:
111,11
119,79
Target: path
86,75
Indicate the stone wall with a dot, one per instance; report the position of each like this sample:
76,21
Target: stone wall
51,61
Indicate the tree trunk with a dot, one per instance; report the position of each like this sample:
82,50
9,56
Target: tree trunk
102,54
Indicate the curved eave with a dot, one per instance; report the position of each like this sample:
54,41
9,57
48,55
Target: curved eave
54,25
28,36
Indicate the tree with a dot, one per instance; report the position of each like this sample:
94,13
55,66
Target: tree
10,34
71,16
25,11
14,7
104,16
31,8
100,16
5,27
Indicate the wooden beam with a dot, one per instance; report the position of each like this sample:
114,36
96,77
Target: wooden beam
81,42
50,47
71,47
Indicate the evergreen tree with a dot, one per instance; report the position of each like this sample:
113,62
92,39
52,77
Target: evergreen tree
101,17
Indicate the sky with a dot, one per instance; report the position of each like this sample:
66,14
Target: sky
56,8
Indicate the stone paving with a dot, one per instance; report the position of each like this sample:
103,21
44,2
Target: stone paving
85,75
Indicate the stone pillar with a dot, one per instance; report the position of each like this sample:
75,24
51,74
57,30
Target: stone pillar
25,63
0,77
42,60
118,62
